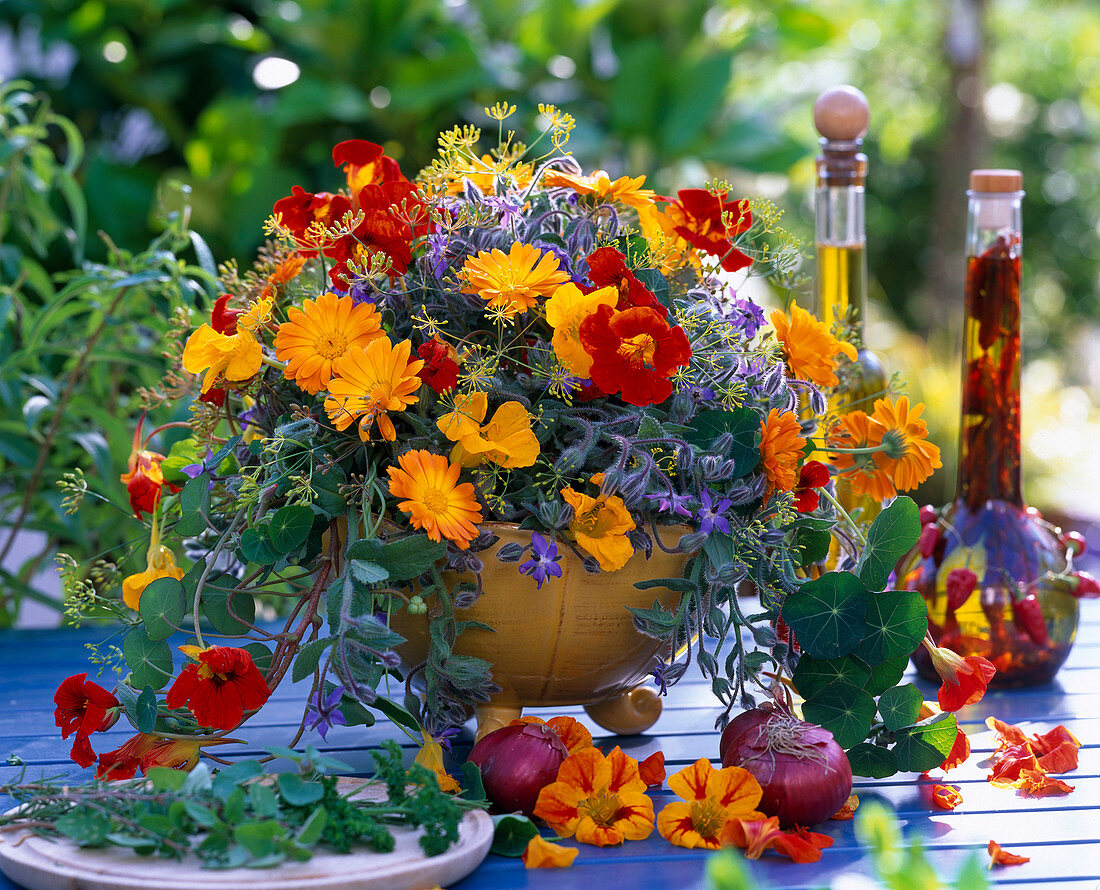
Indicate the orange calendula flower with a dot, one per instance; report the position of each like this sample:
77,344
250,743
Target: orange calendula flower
371,381
512,283
237,357
430,756
600,526
143,478
997,856
541,853
598,800
946,797
710,798
506,439
434,498
781,448
322,331
625,190
160,562
565,311
219,686
909,458
810,349
965,679
756,837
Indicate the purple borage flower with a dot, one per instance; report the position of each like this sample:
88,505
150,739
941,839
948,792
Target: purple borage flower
544,561
324,713
710,514
671,503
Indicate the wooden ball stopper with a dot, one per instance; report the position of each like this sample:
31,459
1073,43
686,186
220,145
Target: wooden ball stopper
841,114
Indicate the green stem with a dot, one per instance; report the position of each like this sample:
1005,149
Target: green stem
857,532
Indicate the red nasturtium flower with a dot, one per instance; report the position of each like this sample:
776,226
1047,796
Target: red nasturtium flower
143,478
301,211
607,268
965,679
144,751
219,687
813,475
756,837
440,370
82,707
634,353
697,214
365,163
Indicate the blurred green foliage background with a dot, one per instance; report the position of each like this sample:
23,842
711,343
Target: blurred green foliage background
241,100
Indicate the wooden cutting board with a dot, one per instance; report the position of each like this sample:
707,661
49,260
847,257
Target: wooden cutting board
43,864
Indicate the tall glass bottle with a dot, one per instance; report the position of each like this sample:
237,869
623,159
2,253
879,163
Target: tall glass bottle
985,563
840,116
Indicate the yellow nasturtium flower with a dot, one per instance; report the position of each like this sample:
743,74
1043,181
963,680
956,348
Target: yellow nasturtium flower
238,356
506,439
564,313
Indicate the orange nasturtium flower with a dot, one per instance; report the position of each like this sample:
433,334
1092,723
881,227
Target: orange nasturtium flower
756,837
781,448
237,357
219,686
322,331
541,853
810,349
626,189
512,282
711,797
965,679
997,856
434,498
371,381
143,478
144,751
565,311
160,562
596,799
600,526
506,439
430,756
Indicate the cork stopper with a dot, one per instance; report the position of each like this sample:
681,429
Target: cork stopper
996,181
841,114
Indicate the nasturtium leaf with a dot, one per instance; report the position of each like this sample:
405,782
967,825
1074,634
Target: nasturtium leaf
195,506
145,714
900,706
259,838
298,792
164,778
872,760
843,709
813,674
311,829
289,528
895,623
162,608
826,614
305,662
742,423
149,661
403,559
261,656
230,612
892,535
326,492
812,545
255,546
886,674
924,745
511,834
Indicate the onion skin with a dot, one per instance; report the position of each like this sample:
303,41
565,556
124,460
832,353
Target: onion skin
804,773
516,763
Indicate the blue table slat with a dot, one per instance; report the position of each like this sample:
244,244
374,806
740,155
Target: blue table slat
1060,834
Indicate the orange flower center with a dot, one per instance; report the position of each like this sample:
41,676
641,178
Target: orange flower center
707,817
435,500
638,349
331,345
603,808
592,523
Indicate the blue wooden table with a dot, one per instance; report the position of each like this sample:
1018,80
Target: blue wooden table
1060,834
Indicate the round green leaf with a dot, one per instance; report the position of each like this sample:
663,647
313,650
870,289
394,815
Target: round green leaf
925,745
887,674
872,760
813,674
826,614
511,834
261,656
289,528
149,661
145,713
896,621
900,706
298,792
255,546
892,534
843,709
162,608
229,611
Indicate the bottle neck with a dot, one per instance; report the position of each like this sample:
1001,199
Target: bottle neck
989,424
841,254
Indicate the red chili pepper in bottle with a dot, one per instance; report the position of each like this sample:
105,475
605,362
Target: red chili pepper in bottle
1028,618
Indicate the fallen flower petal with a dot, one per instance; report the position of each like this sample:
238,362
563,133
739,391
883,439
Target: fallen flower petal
1060,760
1007,769
1038,784
541,853
1049,741
847,811
1009,733
946,797
755,837
997,856
959,752
652,769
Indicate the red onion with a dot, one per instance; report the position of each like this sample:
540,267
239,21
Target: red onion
805,774
517,762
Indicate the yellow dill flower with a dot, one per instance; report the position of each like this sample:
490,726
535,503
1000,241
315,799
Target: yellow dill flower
315,336
810,349
506,439
625,190
371,381
512,283
484,173
434,498
565,311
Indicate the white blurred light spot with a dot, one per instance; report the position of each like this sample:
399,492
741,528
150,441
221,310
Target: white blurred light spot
273,72
289,11
1064,114
114,51
1003,103
379,97
241,28
864,34
561,67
